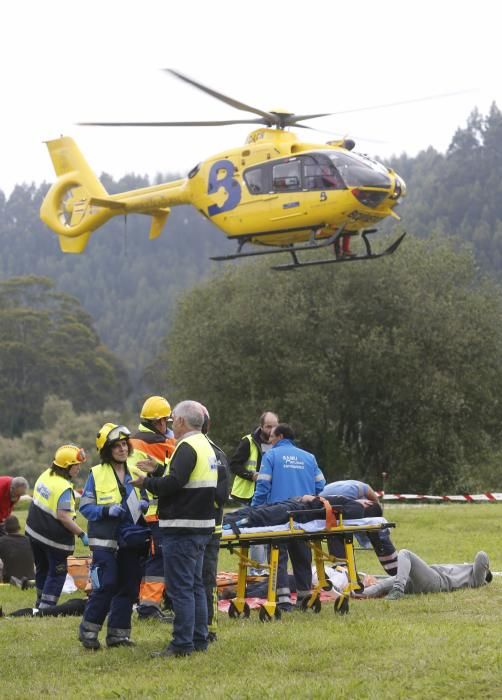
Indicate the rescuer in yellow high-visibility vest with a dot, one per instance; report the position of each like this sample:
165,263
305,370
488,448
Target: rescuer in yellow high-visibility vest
51,524
119,539
246,460
186,520
245,464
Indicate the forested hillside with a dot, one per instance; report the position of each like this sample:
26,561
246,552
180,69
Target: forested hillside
459,193
127,283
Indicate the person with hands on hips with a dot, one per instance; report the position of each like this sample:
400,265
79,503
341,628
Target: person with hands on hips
51,524
118,538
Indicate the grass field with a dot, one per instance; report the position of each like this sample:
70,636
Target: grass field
436,646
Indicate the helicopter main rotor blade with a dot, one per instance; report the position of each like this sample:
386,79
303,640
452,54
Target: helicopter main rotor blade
303,117
202,123
271,118
339,136
405,102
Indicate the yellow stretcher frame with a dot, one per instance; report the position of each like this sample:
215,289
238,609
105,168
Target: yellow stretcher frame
239,544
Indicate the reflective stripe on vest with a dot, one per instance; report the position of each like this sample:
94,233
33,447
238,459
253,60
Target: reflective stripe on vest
203,475
243,488
106,485
103,533
42,523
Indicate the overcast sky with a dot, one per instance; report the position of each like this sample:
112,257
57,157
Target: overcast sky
65,62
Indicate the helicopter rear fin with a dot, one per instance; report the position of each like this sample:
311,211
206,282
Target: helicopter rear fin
159,218
67,158
74,245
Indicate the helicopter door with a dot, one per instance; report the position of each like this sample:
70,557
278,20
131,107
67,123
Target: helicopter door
287,210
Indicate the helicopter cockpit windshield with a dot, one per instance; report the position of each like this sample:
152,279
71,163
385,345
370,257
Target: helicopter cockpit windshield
359,171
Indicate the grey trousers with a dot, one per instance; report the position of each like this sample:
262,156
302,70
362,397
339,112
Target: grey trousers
413,576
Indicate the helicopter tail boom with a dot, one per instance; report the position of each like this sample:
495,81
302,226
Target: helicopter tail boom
77,204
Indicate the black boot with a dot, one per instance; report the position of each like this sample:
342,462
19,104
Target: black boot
88,635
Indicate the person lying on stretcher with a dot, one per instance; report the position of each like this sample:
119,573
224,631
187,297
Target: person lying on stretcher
302,506
278,513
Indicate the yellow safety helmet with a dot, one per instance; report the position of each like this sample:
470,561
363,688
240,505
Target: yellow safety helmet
155,407
68,455
110,432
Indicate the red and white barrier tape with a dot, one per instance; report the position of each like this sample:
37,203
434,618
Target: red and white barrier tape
487,497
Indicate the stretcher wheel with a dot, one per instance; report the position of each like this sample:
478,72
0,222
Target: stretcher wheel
342,605
316,605
265,616
234,613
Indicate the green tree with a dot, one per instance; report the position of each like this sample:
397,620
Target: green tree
48,345
31,453
389,366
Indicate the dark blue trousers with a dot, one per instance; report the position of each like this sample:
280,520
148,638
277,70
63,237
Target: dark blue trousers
115,578
50,572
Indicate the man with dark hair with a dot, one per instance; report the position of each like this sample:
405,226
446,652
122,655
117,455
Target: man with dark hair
245,464
380,541
287,471
15,552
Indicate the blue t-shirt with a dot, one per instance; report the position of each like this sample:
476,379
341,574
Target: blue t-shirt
348,488
64,502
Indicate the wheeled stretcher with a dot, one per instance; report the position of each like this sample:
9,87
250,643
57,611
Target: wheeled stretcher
239,541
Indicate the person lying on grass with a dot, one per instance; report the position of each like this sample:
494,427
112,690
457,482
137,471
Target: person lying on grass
415,576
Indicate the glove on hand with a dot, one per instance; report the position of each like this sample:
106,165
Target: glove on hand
144,505
84,538
115,510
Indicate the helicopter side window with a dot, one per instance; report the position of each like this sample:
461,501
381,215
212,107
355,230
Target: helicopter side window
286,177
255,180
320,175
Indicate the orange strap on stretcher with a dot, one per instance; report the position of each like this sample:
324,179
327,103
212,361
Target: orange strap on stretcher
331,520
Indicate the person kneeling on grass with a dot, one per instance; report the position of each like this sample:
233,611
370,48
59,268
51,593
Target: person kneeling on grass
415,576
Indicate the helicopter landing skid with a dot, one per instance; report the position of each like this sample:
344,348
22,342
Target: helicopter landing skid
369,255
314,244
291,248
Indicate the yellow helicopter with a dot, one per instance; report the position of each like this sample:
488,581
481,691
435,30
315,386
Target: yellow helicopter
276,191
